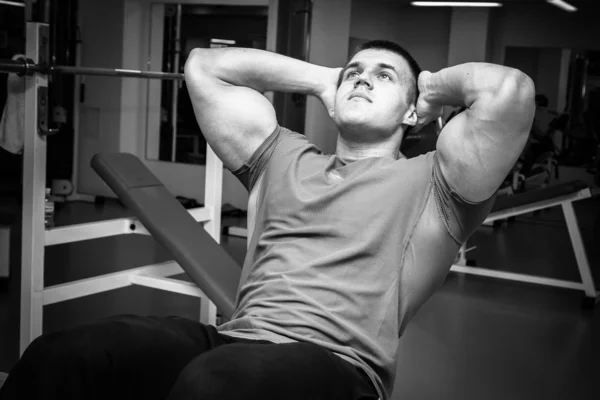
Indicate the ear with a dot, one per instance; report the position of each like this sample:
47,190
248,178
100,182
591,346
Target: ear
410,117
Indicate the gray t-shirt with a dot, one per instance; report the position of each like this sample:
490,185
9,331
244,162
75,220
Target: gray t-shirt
343,254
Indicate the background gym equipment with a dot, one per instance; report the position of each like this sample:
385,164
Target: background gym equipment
563,195
28,67
34,296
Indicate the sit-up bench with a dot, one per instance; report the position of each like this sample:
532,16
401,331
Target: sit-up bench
196,252
215,272
557,195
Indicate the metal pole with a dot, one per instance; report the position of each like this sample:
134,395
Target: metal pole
78,81
175,84
34,184
579,250
126,73
28,68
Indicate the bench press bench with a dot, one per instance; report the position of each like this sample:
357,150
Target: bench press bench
563,195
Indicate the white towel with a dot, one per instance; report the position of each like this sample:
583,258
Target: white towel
12,130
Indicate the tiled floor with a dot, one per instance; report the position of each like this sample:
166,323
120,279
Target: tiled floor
477,338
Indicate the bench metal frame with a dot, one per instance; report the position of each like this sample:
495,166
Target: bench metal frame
566,203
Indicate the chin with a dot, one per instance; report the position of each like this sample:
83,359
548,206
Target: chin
362,128
355,120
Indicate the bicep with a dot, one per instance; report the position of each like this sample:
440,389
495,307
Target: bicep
235,120
478,148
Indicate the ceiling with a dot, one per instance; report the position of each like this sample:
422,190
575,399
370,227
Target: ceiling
582,5
541,2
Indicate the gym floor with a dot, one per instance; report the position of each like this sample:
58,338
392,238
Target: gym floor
476,338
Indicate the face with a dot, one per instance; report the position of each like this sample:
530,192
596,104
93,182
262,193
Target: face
372,99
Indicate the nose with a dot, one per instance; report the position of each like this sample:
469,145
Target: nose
363,79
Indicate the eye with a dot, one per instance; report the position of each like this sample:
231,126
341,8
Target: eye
385,76
352,74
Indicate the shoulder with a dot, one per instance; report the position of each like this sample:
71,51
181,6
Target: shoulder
416,170
290,140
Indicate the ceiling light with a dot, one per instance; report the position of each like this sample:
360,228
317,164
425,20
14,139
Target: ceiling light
562,4
12,3
454,4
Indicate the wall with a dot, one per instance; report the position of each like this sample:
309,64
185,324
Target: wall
329,38
522,58
100,114
181,179
127,45
561,95
550,31
544,66
330,30
548,75
423,31
113,117
468,41
542,26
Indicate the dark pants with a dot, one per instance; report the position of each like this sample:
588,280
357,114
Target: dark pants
128,357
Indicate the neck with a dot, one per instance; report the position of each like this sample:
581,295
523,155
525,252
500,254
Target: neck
350,150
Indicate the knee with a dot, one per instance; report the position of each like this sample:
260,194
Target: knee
59,352
40,364
219,373
46,346
190,384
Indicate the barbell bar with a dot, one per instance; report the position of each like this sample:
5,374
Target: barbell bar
24,67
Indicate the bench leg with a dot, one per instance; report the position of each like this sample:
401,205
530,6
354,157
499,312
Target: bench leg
580,254
212,199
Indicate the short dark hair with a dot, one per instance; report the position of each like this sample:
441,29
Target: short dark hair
394,48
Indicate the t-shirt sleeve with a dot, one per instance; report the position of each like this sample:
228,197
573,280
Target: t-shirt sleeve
281,138
460,217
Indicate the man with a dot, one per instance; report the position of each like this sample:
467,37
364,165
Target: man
343,249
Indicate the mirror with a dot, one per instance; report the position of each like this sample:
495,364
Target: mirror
173,135
568,98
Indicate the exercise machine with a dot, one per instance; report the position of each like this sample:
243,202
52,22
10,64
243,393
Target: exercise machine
35,237
563,195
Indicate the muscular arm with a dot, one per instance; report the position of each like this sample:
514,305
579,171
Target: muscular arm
478,147
226,87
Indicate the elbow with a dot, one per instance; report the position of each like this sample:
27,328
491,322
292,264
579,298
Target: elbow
520,89
525,88
517,94
197,64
